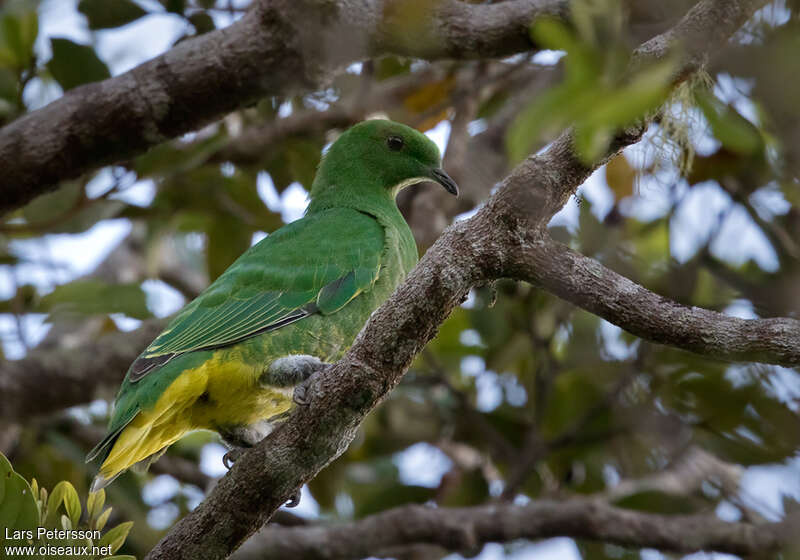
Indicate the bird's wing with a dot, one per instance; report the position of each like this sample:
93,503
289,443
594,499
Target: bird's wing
315,265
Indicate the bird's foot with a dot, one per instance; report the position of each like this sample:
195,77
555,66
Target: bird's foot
232,456
304,390
294,499
302,394
291,370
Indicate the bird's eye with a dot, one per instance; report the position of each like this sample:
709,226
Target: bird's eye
395,143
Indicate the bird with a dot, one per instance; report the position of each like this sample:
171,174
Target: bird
234,359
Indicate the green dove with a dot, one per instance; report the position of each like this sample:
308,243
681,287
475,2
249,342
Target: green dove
231,359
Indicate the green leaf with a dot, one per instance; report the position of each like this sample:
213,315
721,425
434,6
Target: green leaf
574,393
18,31
8,85
116,536
303,157
390,66
175,6
72,505
73,64
546,116
373,499
90,297
103,519
472,489
48,207
584,63
734,131
592,141
654,501
5,468
17,503
596,95
622,107
103,14
94,503
202,22
18,509
227,239
64,493
625,105
553,34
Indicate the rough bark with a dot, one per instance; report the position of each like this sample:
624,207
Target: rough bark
279,47
465,529
467,254
588,284
594,517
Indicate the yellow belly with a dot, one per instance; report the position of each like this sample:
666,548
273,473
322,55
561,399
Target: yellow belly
217,393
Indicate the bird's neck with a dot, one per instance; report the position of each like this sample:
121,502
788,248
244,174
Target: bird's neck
375,200
368,198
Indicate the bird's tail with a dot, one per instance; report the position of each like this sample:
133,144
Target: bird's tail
143,440
100,481
145,435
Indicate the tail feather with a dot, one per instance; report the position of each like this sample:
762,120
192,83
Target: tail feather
101,450
142,441
142,466
146,433
100,482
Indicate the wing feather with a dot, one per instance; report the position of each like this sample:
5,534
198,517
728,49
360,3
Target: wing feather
315,265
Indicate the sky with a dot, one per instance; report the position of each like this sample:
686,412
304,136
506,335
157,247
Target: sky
421,464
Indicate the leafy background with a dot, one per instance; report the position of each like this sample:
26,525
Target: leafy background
521,395
27,508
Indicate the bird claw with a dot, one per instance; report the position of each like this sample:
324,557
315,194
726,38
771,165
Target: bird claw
231,457
303,390
293,500
302,394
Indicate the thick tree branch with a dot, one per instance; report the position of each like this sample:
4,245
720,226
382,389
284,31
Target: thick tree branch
279,47
465,529
467,254
588,284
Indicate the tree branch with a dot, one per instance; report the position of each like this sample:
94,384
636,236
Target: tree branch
465,529
686,475
590,285
279,47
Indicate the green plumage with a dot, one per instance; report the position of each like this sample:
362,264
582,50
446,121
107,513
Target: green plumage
306,289
297,265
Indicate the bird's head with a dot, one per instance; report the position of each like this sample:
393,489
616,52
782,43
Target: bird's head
379,158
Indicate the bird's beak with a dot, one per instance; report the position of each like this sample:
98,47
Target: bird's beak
445,180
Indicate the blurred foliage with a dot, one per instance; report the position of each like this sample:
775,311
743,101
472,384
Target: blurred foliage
25,509
104,15
599,94
74,64
514,372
